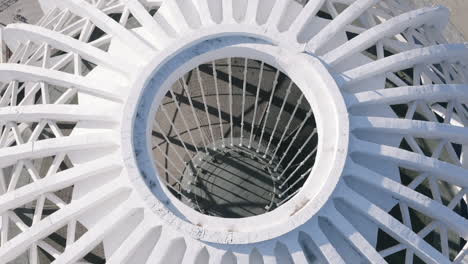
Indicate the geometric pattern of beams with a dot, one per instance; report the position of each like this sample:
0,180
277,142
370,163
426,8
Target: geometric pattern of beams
68,196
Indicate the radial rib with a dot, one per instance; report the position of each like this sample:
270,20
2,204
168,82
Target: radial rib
338,24
327,249
307,13
195,253
55,182
391,226
149,23
404,95
20,72
26,32
64,113
48,147
120,216
52,223
143,234
354,237
405,60
416,128
172,12
277,14
440,169
414,19
414,199
107,24
252,11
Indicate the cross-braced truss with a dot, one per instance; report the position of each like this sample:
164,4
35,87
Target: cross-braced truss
65,196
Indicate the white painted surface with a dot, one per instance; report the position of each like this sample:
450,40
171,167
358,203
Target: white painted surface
352,188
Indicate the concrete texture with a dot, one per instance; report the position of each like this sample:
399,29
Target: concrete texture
29,11
14,11
458,28
256,231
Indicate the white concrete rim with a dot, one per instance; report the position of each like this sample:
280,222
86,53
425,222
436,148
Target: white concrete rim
332,125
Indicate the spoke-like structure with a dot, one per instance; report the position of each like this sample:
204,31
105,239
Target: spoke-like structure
233,137
193,113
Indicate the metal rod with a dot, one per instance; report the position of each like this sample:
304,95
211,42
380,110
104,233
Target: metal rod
155,125
287,198
202,89
303,175
278,117
297,153
169,160
243,101
287,126
185,88
291,143
260,77
273,89
298,167
215,78
163,109
230,99
178,182
174,98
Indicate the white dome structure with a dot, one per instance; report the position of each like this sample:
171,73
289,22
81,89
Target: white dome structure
234,131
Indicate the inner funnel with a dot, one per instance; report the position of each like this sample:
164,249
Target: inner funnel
234,138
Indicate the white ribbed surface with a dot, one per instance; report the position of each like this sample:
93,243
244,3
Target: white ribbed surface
64,123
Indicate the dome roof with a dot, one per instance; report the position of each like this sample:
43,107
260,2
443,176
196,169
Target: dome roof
120,121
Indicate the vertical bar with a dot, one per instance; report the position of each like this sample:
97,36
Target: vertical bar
230,99
287,127
202,89
297,168
177,181
185,88
260,77
44,86
155,125
309,114
298,152
163,109
243,101
278,118
3,49
215,78
295,182
169,160
71,228
174,98
273,89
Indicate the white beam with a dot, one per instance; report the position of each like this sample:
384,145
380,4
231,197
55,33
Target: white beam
414,19
391,226
57,181
49,147
52,223
412,198
339,23
403,95
65,113
404,60
121,216
26,32
440,169
104,22
20,72
415,128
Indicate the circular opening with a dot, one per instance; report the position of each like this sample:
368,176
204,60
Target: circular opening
234,138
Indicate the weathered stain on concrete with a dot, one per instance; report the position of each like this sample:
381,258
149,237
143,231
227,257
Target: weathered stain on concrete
19,11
